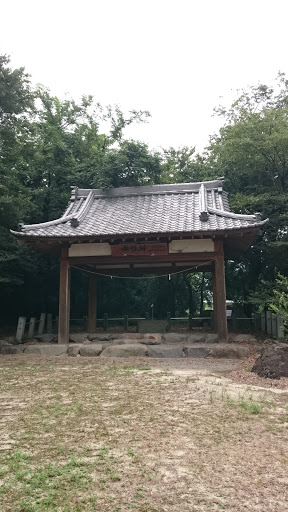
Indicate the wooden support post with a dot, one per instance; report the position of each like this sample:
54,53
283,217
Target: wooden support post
257,321
42,323
220,292
263,321
92,304
214,300
190,322
169,320
49,323
64,298
125,323
31,329
20,328
269,322
105,321
274,325
280,327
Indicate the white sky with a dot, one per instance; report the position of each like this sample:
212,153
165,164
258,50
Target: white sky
173,58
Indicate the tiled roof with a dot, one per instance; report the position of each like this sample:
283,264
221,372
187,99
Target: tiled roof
159,209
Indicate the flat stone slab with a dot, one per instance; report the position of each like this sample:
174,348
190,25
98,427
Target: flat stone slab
46,350
229,352
196,352
152,326
238,338
162,351
196,338
175,337
211,338
135,350
92,350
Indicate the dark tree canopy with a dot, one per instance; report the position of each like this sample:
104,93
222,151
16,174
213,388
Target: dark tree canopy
48,144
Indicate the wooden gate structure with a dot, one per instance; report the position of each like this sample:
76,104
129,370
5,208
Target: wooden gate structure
145,229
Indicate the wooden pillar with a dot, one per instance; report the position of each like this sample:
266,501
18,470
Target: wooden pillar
214,300
221,315
92,304
64,298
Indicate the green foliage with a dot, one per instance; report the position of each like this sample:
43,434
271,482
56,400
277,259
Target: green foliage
251,151
272,295
182,165
279,303
48,144
263,295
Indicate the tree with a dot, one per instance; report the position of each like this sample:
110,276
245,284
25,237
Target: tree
251,152
182,165
16,107
131,164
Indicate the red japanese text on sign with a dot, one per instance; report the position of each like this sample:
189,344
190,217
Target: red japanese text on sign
139,249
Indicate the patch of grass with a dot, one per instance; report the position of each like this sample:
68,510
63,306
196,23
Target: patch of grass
212,396
92,438
103,452
43,488
190,379
245,403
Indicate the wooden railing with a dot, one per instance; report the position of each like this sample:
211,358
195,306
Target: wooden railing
266,322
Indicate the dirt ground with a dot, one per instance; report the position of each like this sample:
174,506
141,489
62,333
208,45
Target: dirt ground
116,435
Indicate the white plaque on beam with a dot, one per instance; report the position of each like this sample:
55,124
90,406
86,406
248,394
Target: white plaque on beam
195,245
96,249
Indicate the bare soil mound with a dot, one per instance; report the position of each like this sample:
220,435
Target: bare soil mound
273,363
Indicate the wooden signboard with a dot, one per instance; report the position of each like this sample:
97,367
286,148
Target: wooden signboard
139,249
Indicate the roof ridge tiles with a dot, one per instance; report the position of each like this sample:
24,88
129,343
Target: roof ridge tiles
147,189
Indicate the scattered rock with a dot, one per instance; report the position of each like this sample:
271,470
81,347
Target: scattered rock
45,338
11,349
195,338
196,352
239,338
152,336
151,341
100,337
11,340
228,352
73,350
211,338
4,343
273,362
86,342
165,351
122,341
78,337
175,337
134,350
92,350
46,350
129,336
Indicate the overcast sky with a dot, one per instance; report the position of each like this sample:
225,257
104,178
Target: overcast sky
175,58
